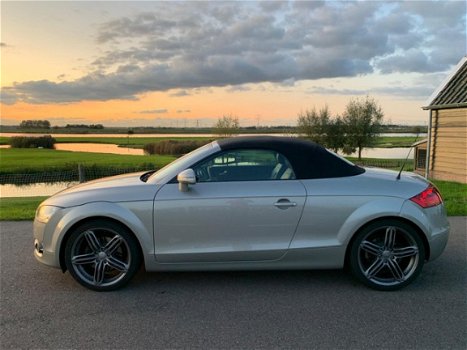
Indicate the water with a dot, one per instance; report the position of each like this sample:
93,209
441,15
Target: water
48,189
385,153
98,148
34,190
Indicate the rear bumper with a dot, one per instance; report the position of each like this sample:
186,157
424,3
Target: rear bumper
433,222
438,243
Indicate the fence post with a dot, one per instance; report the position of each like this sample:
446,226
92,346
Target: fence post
81,175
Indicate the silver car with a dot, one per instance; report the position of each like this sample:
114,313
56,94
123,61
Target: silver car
245,203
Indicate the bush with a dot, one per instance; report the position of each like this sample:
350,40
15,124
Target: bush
172,147
226,126
46,141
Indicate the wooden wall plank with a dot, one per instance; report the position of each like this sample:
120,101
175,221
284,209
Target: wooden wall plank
444,154
448,154
454,167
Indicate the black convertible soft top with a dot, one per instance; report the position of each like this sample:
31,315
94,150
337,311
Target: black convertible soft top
308,159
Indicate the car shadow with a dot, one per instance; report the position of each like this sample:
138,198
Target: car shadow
267,280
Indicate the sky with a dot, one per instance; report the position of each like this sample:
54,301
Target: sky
160,63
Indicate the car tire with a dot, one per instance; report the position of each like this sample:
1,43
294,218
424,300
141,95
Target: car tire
387,255
102,255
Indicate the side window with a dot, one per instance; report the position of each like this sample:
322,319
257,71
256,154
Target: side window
244,165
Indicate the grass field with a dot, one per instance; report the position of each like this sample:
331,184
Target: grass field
14,209
396,141
33,160
25,161
454,195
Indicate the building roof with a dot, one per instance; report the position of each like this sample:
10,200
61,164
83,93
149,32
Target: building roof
453,91
421,142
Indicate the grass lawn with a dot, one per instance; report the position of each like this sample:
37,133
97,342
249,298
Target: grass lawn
396,141
454,195
15,209
31,160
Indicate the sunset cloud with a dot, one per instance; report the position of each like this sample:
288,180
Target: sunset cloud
184,46
399,91
154,111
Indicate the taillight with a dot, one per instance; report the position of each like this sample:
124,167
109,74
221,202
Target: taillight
430,197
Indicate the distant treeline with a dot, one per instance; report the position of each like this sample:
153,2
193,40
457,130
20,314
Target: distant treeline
101,129
34,124
82,126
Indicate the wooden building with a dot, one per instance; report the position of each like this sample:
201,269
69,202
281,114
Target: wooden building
447,132
420,156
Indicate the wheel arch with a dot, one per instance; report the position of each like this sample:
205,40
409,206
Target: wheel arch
90,219
417,229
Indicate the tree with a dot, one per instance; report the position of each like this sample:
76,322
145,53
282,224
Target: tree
226,126
322,128
314,124
335,134
35,124
129,132
362,122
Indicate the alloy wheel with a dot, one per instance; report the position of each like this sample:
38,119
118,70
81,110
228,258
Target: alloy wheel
387,256
101,256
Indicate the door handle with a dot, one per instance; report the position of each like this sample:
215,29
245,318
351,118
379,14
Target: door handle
284,204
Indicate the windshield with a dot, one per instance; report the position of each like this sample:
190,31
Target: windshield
180,164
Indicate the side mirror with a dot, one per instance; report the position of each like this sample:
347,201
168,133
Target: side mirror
185,178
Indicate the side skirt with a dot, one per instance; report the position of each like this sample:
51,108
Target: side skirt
296,259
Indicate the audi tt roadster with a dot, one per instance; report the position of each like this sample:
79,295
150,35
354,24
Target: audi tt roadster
245,203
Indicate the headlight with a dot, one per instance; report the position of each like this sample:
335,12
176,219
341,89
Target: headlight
45,212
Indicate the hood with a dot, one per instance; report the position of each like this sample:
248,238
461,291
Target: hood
121,188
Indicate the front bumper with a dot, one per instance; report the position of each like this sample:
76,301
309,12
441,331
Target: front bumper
45,248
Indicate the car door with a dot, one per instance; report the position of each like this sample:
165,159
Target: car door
245,206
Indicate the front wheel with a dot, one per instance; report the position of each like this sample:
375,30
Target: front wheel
102,255
387,255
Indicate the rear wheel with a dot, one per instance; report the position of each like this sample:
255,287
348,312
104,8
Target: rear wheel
387,255
102,255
